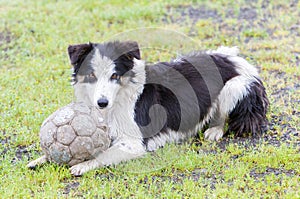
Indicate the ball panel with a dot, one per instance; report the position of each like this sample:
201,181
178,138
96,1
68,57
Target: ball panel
101,140
63,116
82,148
50,118
83,125
65,134
59,153
81,108
47,134
47,120
97,117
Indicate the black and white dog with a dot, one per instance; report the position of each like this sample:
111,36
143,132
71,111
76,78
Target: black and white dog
147,106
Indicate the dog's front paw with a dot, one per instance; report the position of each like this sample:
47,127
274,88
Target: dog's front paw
214,133
41,160
81,168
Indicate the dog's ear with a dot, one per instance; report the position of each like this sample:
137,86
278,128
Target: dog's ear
131,49
78,52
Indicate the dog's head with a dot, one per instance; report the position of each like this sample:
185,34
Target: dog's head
102,69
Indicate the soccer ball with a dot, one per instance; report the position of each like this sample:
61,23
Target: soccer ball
73,134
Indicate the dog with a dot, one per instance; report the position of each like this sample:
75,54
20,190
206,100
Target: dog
149,105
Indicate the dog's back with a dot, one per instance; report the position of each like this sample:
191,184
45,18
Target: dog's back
181,96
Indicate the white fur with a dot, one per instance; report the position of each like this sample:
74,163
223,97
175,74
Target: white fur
243,67
104,68
171,136
236,88
127,139
231,51
214,133
121,116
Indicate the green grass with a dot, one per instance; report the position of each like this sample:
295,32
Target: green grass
34,82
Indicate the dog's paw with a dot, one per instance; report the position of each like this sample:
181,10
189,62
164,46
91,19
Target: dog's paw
81,168
214,133
41,160
32,165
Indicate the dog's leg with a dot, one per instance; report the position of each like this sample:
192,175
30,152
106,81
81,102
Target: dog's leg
119,152
216,126
40,161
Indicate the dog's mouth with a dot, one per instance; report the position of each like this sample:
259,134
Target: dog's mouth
102,109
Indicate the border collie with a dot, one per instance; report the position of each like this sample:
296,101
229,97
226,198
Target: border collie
147,106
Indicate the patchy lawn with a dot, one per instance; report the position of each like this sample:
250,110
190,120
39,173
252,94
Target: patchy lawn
34,82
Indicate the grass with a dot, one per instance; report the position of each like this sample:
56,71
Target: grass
34,82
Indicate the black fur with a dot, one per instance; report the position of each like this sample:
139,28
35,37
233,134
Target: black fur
225,67
122,53
249,115
172,85
77,54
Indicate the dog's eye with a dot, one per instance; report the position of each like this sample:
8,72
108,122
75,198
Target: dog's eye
92,75
115,76
91,78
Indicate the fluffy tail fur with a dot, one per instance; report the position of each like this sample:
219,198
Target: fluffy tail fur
249,115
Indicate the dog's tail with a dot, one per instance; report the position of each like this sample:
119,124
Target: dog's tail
247,102
249,115
243,97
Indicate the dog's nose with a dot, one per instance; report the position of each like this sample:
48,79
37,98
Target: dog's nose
102,103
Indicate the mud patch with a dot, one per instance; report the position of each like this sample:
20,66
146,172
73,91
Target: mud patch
70,186
5,39
248,14
181,14
189,15
251,21
20,152
4,140
276,171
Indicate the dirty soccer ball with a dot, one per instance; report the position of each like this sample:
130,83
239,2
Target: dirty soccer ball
73,134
